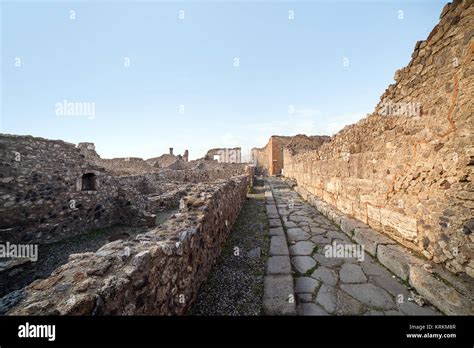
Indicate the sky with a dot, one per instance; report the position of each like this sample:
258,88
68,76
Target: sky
199,74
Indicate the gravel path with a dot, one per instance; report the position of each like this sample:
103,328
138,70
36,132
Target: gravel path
235,285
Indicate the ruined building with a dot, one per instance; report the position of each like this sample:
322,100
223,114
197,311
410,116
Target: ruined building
225,155
52,191
399,182
269,159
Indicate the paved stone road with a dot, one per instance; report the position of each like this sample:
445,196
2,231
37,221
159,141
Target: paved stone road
324,285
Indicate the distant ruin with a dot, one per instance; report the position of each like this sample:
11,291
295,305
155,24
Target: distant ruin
225,155
270,160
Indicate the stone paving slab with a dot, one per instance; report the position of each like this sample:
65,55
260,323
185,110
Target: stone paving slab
274,222
296,234
303,264
330,284
310,309
304,248
370,240
277,231
278,265
278,246
271,209
279,297
278,291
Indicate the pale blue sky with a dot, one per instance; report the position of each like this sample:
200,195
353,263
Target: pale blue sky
190,62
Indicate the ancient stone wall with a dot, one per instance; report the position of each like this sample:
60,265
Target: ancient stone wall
202,175
43,198
261,158
126,166
269,160
158,272
406,170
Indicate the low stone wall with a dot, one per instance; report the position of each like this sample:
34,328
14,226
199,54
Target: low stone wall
197,175
157,273
41,198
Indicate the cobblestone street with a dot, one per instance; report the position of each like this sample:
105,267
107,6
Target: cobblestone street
324,285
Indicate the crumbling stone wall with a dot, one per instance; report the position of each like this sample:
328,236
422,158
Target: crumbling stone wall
158,272
198,174
225,155
269,160
261,159
41,196
406,169
40,191
88,150
126,166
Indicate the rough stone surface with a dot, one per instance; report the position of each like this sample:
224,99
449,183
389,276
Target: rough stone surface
351,273
302,248
305,285
369,294
324,281
434,290
395,259
278,265
297,234
278,246
326,275
370,239
278,290
327,298
277,231
303,264
274,222
169,262
310,309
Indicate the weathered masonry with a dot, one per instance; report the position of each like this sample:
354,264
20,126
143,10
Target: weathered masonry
270,160
158,272
225,155
407,169
51,190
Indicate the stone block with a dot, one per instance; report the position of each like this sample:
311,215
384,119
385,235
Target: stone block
369,238
278,295
404,225
277,231
396,259
278,246
278,265
348,225
440,294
